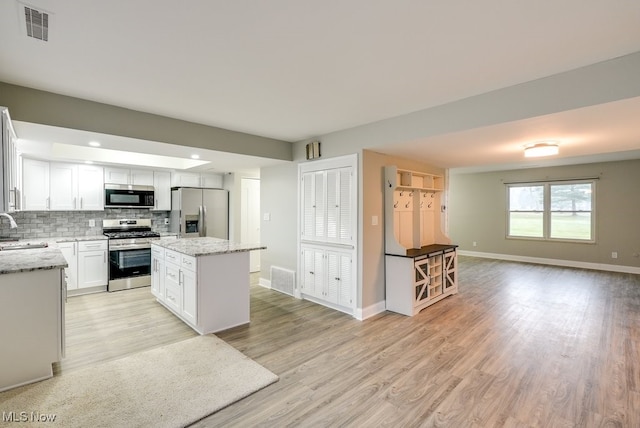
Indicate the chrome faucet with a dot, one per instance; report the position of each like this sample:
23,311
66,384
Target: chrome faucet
11,220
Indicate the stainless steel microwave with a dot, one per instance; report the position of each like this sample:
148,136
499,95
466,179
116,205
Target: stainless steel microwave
128,196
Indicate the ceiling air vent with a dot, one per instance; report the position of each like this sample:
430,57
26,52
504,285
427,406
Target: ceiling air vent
37,23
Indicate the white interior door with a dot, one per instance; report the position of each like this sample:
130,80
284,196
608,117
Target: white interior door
250,218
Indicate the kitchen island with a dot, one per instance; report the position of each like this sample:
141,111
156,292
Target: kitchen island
203,281
32,292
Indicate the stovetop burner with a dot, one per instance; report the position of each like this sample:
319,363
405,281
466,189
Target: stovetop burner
128,229
132,234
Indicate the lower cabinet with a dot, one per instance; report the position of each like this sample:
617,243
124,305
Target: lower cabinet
70,253
173,282
93,267
32,317
209,293
415,282
327,275
157,271
88,269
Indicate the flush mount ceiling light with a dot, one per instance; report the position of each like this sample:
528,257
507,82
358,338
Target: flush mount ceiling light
541,149
94,144
195,156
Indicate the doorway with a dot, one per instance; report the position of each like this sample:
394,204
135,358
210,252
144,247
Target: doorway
250,218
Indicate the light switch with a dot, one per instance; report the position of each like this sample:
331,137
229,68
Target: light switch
266,216
374,220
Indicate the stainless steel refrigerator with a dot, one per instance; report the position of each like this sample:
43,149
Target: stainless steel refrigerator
200,212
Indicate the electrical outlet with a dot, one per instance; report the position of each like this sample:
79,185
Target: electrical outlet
166,221
475,244
92,223
374,220
614,255
266,216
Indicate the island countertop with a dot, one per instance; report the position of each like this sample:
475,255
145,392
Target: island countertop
205,246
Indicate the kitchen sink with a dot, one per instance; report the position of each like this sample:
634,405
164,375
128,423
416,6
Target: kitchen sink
25,246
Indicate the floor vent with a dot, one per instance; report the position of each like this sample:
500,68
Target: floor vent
283,280
37,23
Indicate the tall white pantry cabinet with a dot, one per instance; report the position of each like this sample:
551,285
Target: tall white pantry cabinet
328,208
420,261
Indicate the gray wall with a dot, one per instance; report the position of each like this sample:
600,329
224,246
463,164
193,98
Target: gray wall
478,212
31,105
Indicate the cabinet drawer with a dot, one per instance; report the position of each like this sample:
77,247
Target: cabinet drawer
157,251
172,256
92,245
172,296
188,262
172,273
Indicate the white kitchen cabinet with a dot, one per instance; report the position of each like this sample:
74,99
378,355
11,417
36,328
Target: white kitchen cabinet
35,185
172,292
157,271
162,190
93,268
58,186
70,253
32,320
194,179
209,293
188,288
180,283
9,165
63,190
128,176
327,275
90,188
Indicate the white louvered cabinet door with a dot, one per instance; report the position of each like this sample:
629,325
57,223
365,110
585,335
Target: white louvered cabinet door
339,278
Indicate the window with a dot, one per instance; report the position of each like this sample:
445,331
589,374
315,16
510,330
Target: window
559,210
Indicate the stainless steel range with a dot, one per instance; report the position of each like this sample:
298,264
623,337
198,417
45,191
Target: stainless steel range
129,252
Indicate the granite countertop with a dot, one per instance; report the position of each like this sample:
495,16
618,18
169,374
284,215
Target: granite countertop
16,261
205,246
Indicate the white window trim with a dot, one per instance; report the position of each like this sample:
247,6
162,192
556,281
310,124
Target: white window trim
546,212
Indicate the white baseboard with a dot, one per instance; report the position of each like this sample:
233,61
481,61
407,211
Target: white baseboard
552,262
263,282
369,311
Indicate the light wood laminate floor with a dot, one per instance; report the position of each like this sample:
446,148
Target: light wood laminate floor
520,345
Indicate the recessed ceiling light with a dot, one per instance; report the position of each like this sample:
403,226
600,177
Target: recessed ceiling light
88,161
94,144
195,156
548,148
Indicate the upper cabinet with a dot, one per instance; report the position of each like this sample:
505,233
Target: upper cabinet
9,164
128,176
61,186
195,179
162,190
35,185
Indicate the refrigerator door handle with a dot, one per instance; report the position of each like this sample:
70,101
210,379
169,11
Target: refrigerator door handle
200,220
204,220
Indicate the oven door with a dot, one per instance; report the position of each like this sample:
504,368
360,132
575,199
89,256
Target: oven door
129,262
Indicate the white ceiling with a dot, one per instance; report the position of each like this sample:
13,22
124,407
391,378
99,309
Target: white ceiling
295,69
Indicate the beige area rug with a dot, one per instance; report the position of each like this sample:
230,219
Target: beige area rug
170,386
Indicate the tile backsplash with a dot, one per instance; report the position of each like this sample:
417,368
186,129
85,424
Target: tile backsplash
51,224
